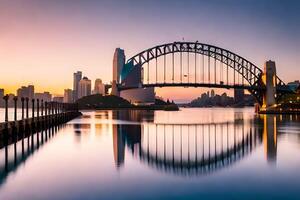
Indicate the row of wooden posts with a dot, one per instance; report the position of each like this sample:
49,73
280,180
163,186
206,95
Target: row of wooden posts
43,108
48,114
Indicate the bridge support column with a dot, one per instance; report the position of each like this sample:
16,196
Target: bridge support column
269,79
114,89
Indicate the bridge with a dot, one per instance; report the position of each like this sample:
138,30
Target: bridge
194,64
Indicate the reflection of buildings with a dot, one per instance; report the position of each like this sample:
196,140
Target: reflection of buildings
129,135
270,138
118,146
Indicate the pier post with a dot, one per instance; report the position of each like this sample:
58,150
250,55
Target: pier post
15,108
33,121
42,107
15,127
22,103
27,109
32,109
6,107
23,124
38,108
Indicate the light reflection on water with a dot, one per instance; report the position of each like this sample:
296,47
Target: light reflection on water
194,153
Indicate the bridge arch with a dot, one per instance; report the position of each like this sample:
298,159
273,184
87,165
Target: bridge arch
249,72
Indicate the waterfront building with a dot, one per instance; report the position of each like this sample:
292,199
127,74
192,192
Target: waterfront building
84,88
77,76
45,96
23,92
68,96
58,99
30,91
99,87
295,85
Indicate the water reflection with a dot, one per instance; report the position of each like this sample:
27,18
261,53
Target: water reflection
18,153
194,149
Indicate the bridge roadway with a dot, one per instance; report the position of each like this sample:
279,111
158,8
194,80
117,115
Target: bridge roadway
204,85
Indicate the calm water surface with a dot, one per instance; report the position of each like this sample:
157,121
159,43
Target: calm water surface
209,153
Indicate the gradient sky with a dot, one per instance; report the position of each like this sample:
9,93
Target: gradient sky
44,42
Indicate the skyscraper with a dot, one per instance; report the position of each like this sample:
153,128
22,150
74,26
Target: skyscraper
76,78
68,96
99,87
118,63
84,88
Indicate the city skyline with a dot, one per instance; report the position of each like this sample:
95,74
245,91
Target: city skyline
40,39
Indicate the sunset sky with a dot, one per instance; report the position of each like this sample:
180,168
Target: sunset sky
44,42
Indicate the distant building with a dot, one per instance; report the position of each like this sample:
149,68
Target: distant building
1,97
68,96
58,99
77,76
295,85
11,100
239,95
26,92
45,96
99,87
30,91
84,88
23,92
118,63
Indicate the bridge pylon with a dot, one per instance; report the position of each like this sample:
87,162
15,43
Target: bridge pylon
270,82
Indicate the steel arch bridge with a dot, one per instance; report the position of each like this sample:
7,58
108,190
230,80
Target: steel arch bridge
244,73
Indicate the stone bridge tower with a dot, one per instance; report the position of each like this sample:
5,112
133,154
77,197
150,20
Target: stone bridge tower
269,80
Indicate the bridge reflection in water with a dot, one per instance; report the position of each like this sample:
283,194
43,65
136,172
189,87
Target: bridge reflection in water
195,149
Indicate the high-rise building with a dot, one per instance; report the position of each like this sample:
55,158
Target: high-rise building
68,96
84,88
99,87
1,97
118,63
77,76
